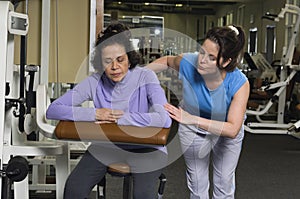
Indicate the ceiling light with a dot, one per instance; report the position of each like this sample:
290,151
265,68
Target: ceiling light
157,31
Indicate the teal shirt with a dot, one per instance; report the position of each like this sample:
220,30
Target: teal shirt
198,99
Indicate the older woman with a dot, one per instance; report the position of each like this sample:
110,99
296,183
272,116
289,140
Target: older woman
124,94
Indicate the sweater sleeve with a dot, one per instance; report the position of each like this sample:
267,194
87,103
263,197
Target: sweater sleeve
69,106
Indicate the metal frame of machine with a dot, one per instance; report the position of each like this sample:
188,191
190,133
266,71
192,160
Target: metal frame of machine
278,126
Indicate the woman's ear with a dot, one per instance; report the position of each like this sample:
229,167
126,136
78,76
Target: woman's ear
224,64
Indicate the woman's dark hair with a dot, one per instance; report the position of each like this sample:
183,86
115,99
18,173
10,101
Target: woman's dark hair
231,41
115,33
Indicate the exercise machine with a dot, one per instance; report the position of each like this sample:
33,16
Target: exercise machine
279,126
17,116
24,100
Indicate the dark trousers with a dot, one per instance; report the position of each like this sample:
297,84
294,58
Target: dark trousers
146,166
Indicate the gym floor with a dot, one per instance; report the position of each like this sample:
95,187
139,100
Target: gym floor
269,167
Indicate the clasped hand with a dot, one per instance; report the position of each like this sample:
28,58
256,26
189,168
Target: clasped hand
106,115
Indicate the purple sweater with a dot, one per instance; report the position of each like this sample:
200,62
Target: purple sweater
139,95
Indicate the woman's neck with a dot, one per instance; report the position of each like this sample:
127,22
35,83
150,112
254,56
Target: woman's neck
213,81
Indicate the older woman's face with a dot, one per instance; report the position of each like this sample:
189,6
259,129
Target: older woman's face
115,62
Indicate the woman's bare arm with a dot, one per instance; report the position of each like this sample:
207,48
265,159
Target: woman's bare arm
164,62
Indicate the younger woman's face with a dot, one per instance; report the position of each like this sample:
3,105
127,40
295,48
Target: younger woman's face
207,58
115,62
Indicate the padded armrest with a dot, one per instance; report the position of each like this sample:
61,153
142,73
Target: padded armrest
90,131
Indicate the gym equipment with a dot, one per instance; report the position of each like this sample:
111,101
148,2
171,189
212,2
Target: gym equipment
111,132
279,126
14,116
90,131
161,188
17,169
19,115
123,170
117,134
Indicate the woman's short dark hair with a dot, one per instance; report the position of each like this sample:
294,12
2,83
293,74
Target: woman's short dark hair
115,33
231,41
